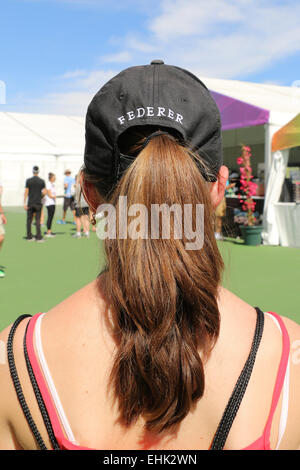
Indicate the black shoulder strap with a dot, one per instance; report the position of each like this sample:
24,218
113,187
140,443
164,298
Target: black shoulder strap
17,385
20,395
39,397
239,389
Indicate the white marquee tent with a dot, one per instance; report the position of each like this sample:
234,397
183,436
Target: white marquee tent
282,219
282,102
53,142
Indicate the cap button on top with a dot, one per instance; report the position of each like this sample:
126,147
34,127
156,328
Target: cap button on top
157,62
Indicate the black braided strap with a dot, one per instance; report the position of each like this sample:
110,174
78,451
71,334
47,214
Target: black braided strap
17,385
239,389
39,397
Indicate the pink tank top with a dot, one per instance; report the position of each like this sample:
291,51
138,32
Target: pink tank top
56,413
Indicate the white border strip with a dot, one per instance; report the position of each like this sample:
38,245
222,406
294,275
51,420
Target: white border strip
50,383
285,395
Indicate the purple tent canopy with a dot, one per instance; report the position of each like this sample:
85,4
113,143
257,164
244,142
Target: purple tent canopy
236,113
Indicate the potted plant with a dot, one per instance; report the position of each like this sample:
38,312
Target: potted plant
251,231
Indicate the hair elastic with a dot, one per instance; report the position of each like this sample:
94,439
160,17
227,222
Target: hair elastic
154,134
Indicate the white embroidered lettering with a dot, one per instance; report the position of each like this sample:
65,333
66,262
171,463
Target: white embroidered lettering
150,111
161,111
121,119
140,112
171,114
179,118
130,115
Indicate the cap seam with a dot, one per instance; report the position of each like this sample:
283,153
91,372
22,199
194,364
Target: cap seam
147,121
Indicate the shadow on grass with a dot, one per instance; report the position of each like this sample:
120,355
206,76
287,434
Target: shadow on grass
58,233
235,241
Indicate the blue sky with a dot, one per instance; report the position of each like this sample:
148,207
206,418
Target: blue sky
55,54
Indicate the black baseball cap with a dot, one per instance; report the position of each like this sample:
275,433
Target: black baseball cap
157,95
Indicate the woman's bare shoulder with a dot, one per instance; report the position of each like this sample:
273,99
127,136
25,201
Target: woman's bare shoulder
239,316
230,302
74,310
79,314
88,295
77,302
76,316
293,329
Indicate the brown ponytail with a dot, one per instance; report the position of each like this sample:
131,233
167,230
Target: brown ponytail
162,296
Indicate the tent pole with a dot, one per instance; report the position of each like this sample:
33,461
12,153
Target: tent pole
267,153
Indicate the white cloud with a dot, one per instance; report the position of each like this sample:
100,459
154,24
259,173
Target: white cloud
71,103
92,81
77,90
193,17
119,57
135,43
73,74
226,38
142,5
219,38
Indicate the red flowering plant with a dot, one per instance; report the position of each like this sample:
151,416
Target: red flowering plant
248,187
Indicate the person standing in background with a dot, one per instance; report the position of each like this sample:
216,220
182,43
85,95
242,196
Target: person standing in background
34,191
82,212
2,230
231,185
69,183
42,212
219,215
50,200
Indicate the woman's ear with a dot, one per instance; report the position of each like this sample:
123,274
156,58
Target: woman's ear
90,193
217,189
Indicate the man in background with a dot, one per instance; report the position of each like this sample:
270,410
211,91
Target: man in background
219,215
82,212
69,183
35,189
2,230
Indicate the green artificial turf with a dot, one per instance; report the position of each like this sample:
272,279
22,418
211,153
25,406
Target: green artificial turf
264,276
38,276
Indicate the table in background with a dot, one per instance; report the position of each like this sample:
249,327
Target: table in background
288,221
